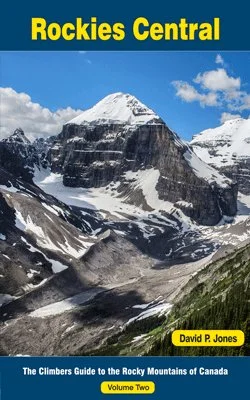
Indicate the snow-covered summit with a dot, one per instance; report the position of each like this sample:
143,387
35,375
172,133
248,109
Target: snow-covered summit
17,136
117,108
225,144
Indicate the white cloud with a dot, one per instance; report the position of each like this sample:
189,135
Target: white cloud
215,88
245,102
189,94
225,116
218,80
18,110
219,59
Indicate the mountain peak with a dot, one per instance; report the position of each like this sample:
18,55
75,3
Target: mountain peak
117,108
227,148
234,130
18,131
18,136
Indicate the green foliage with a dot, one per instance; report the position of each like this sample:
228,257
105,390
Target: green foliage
226,305
230,313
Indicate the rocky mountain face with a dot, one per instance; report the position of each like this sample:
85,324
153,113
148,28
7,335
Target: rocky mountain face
227,148
42,147
122,141
19,156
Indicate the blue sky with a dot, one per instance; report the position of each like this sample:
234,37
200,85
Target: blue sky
57,80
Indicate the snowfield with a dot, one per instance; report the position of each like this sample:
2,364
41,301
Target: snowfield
105,198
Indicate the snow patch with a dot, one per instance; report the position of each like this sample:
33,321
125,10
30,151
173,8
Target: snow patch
204,171
44,240
159,309
51,209
146,180
6,298
57,266
66,305
10,188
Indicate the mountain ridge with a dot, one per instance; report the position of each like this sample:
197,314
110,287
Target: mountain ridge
227,148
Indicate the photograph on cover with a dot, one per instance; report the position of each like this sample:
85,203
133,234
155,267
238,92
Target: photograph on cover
124,201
